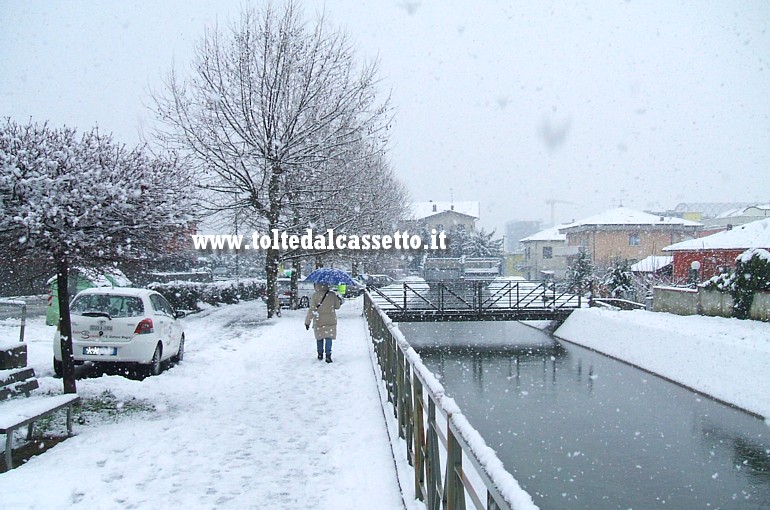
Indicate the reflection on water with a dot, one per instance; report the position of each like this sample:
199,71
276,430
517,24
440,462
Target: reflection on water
580,430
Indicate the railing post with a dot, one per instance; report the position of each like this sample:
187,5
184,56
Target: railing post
433,466
399,358
419,439
454,496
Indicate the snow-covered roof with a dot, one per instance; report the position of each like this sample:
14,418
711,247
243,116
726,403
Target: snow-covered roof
626,216
741,211
652,263
709,209
751,235
549,234
422,210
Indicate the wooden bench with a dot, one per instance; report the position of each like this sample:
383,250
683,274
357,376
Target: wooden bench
18,412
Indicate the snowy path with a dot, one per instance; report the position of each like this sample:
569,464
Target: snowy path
251,419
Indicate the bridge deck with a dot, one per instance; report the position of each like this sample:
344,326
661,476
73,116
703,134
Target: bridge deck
474,301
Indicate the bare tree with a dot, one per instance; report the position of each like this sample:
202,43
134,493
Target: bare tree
271,101
84,200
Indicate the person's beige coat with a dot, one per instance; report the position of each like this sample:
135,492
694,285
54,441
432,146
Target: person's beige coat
322,312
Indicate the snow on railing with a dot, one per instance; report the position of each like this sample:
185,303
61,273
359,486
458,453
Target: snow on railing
416,395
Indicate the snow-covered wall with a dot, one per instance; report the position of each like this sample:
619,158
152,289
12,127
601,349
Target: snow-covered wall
706,302
728,359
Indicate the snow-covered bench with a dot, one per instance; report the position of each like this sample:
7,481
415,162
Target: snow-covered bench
18,412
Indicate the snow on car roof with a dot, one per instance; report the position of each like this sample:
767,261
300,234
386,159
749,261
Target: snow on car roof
119,291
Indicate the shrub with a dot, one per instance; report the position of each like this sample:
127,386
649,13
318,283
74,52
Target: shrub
189,295
752,274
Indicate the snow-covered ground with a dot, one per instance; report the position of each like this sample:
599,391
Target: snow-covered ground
250,419
728,359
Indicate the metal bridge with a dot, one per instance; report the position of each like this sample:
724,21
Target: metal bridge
508,300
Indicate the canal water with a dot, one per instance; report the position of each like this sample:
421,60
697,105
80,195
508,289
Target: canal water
579,430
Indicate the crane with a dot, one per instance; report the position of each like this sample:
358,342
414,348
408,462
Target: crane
552,203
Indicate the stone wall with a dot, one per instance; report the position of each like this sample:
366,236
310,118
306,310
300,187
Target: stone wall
713,303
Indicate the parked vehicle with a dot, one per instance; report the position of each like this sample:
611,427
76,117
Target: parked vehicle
123,325
354,289
304,292
378,280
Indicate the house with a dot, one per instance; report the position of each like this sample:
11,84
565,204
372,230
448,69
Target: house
712,255
718,216
446,215
740,216
546,254
624,233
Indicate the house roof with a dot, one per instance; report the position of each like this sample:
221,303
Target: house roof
625,216
652,263
751,235
549,234
740,211
422,210
709,209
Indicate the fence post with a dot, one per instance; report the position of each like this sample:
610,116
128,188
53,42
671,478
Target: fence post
433,465
454,496
419,439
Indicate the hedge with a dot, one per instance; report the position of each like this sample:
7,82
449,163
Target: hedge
189,295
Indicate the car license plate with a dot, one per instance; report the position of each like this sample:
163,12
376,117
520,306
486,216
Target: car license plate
100,351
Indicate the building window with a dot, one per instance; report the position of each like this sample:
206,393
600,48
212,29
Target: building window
547,252
633,239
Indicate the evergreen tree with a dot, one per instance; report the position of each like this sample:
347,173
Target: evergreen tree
752,274
474,243
619,279
581,273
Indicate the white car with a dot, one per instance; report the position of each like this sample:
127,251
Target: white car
123,325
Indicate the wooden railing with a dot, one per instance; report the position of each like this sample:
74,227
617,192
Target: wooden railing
450,459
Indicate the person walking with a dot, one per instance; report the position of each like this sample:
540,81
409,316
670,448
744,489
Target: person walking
323,313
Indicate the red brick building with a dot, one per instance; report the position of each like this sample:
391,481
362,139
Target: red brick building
716,253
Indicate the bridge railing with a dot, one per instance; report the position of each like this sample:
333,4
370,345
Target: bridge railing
451,461
473,297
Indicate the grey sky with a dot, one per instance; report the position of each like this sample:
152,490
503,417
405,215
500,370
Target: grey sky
509,103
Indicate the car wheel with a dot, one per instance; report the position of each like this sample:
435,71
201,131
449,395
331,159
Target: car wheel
304,302
58,368
156,364
180,353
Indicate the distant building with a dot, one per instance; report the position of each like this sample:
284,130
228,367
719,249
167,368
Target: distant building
446,215
546,254
716,253
515,231
624,233
740,216
718,216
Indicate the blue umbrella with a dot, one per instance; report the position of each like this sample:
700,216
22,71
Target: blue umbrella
330,276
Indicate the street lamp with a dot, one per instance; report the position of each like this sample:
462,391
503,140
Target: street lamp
694,272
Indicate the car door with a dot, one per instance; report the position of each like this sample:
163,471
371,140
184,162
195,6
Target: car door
163,324
175,327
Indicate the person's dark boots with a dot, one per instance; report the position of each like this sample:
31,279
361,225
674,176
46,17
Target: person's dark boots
329,357
320,355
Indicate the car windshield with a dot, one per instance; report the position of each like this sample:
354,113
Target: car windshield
111,304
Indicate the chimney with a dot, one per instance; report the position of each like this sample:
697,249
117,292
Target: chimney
434,207
453,207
